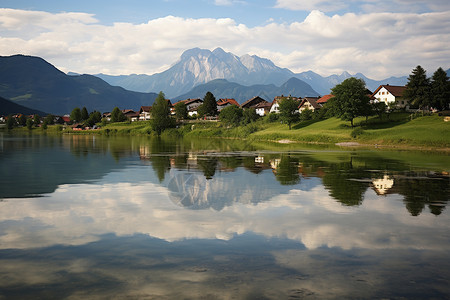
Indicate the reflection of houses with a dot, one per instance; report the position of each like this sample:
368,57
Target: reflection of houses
391,94
383,185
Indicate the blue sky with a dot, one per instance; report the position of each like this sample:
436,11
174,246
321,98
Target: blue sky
378,38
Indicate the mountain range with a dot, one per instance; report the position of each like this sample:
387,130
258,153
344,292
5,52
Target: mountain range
34,83
222,88
199,66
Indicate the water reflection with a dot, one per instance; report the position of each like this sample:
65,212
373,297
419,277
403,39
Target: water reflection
141,218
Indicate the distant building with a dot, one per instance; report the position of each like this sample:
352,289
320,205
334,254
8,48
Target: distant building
222,103
252,103
390,94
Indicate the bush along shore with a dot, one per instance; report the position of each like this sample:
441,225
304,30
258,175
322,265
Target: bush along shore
401,130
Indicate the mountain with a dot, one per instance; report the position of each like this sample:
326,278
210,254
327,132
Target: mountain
222,88
323,85
198,66
8,107
34,83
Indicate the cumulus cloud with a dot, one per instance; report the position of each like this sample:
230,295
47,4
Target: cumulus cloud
365,5
376,44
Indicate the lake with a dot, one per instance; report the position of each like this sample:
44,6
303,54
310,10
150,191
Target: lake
141,218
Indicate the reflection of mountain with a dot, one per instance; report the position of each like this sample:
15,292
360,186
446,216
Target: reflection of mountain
195,191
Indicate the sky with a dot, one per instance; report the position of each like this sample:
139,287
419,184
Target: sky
377,38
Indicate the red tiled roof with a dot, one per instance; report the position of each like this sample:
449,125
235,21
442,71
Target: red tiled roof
227,101
145,108
324,99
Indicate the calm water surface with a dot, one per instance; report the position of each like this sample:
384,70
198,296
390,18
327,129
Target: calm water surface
135,218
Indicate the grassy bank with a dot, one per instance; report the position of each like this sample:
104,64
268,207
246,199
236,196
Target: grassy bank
427,132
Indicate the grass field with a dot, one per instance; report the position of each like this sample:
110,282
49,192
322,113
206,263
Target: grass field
422,132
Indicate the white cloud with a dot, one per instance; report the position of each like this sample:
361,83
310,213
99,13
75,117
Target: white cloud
365,5
376,44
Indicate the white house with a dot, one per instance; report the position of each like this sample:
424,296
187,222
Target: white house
275,108
390,94
145,113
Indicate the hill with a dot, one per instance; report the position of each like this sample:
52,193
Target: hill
34,83
8,107
222,88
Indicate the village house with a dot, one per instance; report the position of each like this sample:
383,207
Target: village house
390,94
222,103
324,99
252,103
145,113
263,108
309,103
275,107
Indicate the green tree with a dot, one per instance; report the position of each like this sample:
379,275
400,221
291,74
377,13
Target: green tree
84,114
181,112
75,115
36,120
350,99
288,111
93,119
418,88
440,90
161,114
117,115
50,119
10,122
379,108
210,105
306,115
249,115
22,120
29,124
231,115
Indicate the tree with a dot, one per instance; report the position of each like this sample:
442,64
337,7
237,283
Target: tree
440,90
418,88
350,99
50,119
94,118
180,111
36,120
231,115
210,105
288,111
161,114
10,122
249,115
75,115
84,114
379,108
117,115
29,124
22,120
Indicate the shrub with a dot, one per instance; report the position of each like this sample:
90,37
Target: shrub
356,132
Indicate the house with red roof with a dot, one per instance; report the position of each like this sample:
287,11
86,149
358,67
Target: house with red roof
391,94
145,113
222,103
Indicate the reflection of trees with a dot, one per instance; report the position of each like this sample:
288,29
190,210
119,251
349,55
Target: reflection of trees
287,170
208,166
337,180
420,191
160,150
